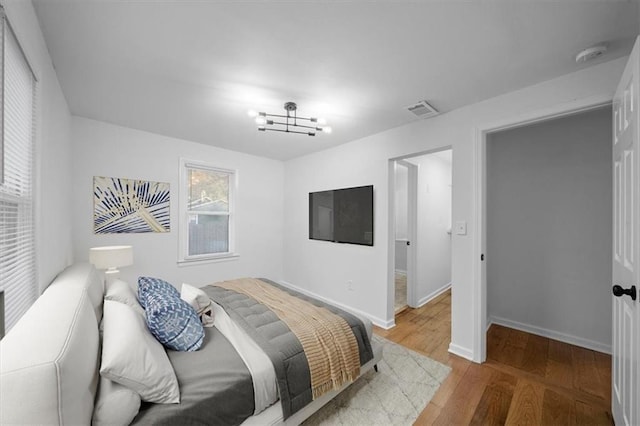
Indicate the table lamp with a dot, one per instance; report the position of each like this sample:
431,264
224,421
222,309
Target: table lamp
110,258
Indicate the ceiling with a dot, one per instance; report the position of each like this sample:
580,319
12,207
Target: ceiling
191,69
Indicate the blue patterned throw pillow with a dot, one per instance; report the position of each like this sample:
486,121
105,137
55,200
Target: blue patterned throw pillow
171,320
147,285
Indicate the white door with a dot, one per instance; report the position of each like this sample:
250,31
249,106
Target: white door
406,205
626,245
412,224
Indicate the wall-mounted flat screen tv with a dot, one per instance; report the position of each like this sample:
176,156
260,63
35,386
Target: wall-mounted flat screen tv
342,215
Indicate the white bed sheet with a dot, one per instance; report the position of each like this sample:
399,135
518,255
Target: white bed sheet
263,374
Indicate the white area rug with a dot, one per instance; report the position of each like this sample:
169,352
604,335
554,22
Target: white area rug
395,395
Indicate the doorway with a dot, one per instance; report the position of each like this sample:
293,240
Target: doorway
422,228
402,241
548,228
481,313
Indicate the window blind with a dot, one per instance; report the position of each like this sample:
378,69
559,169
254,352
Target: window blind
17,246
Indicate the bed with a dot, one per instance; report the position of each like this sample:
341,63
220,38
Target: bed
62,356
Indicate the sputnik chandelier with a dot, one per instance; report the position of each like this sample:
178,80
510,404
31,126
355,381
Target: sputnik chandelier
290,123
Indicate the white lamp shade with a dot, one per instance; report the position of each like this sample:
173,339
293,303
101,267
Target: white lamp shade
111,257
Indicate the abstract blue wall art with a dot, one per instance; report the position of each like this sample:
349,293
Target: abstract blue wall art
129,206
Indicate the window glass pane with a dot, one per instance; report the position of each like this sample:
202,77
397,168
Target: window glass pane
208,234
208,191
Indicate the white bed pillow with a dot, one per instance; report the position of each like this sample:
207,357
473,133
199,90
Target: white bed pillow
115,404
134,358
122,292
200,301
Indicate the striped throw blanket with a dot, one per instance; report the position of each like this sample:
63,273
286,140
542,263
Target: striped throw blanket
328,342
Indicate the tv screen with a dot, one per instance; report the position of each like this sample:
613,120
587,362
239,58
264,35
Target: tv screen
342,215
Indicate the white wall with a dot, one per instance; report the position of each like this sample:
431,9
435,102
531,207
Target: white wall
323,268
102,149
53,206
433,245
549,241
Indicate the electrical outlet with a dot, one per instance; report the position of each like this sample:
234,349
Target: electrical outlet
350,285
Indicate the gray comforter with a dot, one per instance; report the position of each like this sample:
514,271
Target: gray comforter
215,385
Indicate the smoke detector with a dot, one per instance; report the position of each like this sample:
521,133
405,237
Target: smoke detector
423,110
591,53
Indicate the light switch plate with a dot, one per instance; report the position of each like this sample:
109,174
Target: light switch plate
461,227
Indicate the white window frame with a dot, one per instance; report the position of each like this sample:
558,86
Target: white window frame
22,280
183,229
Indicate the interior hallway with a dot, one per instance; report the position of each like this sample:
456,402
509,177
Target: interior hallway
527,379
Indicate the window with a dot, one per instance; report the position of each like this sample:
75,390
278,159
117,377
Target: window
17,247
206,212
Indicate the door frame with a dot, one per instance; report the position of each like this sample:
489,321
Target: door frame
480,207
412,174
412,227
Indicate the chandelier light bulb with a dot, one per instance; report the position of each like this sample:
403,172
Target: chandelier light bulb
251,113
322,121
327,129
261,120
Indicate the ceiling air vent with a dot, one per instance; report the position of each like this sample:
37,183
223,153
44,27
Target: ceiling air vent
423,110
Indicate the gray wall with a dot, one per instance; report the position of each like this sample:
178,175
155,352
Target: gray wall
549,228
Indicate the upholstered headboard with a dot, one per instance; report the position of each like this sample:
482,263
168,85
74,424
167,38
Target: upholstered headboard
49,361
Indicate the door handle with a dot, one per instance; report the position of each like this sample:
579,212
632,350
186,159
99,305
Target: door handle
619,291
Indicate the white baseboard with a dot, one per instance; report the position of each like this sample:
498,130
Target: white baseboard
460,351
551,334
429,297
377,321
385,324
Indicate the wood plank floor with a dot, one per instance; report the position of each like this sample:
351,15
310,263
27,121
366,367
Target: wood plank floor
527,379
